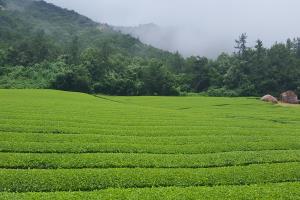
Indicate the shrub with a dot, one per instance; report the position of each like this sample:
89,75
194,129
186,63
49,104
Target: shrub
70,81
222,92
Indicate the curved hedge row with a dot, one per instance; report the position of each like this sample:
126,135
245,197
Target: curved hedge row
121,160
252,192
39,180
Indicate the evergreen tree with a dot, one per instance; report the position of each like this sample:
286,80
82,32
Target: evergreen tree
241,45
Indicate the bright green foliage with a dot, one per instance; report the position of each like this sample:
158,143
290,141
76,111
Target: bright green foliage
145,160
288,191
94,179
146,147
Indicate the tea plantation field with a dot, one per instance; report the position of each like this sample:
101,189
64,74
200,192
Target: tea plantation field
62,145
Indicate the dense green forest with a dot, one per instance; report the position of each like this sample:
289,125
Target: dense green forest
44,46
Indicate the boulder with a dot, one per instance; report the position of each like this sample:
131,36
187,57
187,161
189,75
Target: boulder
269,98
289,97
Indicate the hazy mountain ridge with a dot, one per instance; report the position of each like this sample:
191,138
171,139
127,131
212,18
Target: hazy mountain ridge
29,16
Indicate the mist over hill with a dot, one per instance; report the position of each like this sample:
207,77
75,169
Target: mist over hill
204,28
184,40
152,34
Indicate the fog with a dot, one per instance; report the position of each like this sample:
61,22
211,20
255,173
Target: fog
198,27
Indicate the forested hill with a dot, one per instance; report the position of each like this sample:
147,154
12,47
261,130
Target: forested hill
45,46
24,19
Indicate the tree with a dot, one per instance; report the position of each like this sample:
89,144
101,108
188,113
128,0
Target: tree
241,45
105,52
259,49
157,80
2,57
119,84
218,69
76,80
290,45
198,72
281,68
74,50
177,63
2,61
39,46
29,51
96,62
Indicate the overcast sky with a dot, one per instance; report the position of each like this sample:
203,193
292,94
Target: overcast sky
205,27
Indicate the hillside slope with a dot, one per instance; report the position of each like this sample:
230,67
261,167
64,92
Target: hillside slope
45,46
21,18
146,147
